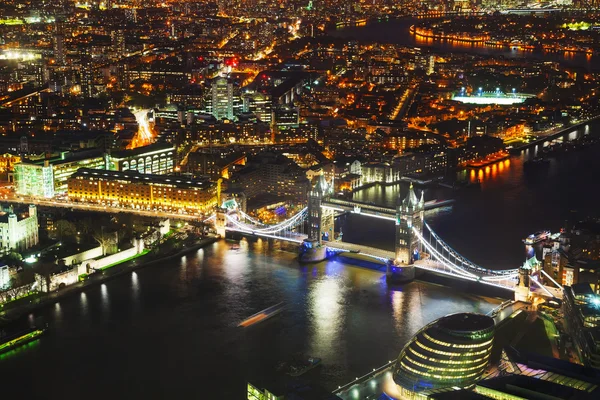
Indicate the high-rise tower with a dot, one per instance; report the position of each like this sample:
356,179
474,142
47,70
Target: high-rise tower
222,98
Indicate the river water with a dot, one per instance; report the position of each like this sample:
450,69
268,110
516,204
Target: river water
396,31
171,331
486,225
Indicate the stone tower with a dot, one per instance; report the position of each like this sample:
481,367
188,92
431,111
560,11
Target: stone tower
320,220
409,216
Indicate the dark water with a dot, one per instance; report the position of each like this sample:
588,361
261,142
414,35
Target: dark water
171,331
486,225
396,31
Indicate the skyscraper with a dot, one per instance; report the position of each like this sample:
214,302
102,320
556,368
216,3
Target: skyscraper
222,98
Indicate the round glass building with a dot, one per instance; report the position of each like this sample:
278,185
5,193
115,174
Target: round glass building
452,351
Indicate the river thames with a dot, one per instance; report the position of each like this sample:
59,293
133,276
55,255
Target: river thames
170,331
396,31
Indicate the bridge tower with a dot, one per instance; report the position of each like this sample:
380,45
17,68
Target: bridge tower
320,220
522,291
409,215
220,221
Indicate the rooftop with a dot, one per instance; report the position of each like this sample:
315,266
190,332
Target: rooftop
138,151
466,322
132,176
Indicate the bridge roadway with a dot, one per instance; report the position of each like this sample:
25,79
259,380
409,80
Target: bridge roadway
290,236
352,206
380,254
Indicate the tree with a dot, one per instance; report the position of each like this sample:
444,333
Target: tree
65,229
106,240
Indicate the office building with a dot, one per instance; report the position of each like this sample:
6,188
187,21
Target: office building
48,177
222,98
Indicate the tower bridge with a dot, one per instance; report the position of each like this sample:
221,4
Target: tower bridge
417,246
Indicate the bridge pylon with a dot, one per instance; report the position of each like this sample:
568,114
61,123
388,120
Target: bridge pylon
320,219
220,221
409,215
522,291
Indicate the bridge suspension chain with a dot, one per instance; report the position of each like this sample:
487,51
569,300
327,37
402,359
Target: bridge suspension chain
270,229
465,262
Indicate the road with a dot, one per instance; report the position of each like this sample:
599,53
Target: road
101,208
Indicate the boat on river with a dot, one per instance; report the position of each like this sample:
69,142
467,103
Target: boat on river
13,341
262,315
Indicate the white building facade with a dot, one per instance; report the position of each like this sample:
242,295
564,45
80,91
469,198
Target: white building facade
19,232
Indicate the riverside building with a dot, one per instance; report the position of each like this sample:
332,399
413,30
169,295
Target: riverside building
143,191
452,351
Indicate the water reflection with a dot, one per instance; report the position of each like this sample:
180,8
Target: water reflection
83,302
104,299
492,171
135,288
346,315
327,314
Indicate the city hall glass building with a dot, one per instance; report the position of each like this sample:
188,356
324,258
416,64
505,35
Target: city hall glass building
452,351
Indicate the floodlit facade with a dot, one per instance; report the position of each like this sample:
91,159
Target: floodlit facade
157,158
143,191
34,180
19,231
48,177
452,351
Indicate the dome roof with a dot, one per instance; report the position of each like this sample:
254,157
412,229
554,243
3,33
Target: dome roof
451,351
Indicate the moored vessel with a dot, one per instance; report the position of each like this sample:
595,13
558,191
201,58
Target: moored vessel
536,237
11,342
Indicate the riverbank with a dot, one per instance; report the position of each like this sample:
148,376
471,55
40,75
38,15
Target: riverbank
553,135
13,311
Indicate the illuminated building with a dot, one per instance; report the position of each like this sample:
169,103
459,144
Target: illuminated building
274,174
452,351
4,277
117,38
526,375
7,161
222,98
143,191
496,97
48,177
34,180
157,158
19,231
582,312
258,104
286,116
59,49
214,163
292,391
